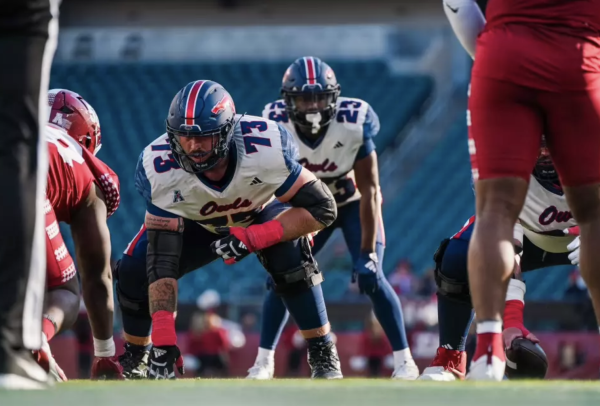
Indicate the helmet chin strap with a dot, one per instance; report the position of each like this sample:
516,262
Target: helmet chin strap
315,118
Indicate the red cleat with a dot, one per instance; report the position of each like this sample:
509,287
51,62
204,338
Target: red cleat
107,368
448,365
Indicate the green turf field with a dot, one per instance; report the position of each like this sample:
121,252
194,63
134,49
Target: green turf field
349,392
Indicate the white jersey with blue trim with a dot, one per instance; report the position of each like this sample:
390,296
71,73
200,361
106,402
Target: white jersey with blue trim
331,158
544,217
266,166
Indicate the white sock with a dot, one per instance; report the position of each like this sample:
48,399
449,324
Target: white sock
104,348
265,355
492,326
401,357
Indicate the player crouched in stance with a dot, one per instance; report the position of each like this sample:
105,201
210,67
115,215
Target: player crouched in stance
223,185
83,192
545,236
335,140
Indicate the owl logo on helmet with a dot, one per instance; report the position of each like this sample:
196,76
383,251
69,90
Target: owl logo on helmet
310,90
223,104
201,112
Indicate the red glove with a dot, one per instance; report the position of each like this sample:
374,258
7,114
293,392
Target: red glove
513,315
46,360
574,231
107,368
238,242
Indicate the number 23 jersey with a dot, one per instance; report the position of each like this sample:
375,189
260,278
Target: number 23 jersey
263,165
331,158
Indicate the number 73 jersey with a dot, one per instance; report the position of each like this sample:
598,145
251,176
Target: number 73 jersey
263,165
331,158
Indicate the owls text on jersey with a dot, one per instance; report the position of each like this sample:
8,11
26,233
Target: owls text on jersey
544,216
263,166
331,158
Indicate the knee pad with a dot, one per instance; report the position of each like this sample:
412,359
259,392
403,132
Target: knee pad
451,270
285,255
296,280
131,306
132,288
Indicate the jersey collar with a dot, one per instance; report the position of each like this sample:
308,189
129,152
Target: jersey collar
222,184
312,144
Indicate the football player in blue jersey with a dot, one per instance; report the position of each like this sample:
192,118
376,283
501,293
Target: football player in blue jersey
223,185
335,141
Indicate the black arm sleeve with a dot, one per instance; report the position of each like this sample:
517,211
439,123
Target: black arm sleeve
164,251
316,197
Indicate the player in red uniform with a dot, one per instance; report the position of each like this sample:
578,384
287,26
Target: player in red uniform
83,192
537,71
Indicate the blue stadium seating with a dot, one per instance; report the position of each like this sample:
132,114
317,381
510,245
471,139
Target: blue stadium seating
434,203
132,101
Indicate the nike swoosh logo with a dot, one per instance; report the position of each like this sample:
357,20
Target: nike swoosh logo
454,10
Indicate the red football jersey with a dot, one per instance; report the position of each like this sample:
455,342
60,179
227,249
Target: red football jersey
579,14
71,173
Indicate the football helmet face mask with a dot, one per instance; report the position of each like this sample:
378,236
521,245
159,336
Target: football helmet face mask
76,116
310,90
544,169
200,125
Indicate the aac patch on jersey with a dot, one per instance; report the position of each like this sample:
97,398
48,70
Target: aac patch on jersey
177,197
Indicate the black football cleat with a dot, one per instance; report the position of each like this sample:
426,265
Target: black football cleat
134,362
324,361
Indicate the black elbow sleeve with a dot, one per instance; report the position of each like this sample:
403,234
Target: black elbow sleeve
164,251
316,197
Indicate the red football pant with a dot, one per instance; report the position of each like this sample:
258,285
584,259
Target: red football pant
59,264
507,120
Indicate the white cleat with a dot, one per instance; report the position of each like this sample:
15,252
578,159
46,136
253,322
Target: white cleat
489,360
261,371
17,382
438,374
23,372
481,370
409,371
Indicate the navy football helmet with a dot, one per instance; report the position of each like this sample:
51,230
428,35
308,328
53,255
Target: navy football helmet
310,90
203,108
544,169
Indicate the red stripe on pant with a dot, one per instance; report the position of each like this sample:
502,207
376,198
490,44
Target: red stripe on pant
136,239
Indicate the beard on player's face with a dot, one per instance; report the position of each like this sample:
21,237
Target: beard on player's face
199,149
